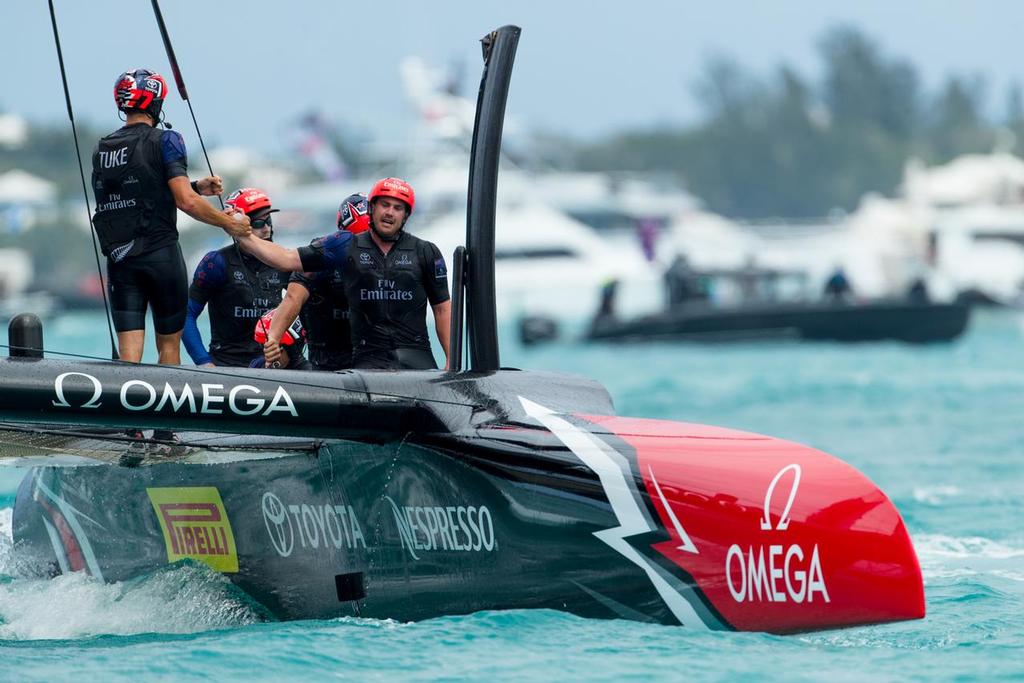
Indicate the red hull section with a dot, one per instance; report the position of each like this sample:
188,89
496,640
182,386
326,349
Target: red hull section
776,536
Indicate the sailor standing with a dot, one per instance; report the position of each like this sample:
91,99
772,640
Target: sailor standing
140,178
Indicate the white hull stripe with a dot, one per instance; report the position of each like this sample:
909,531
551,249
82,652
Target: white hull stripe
597,455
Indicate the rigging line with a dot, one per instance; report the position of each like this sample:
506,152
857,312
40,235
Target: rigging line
296,383
180,82
85,191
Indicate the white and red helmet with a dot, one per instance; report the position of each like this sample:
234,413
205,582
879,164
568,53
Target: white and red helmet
354,213
140,90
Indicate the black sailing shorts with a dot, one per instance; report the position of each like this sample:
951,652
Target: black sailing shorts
157,280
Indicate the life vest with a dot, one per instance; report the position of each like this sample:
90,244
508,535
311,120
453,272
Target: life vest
387,297
135,210
251,288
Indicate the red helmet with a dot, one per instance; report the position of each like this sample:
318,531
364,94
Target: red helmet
293,334
394,187
249,199
140,90
354,213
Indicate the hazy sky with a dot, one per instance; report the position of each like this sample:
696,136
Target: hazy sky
582,67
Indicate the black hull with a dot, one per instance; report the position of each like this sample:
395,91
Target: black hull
398,531
408,523
902,321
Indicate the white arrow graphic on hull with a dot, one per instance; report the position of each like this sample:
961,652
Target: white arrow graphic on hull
598,456
687,544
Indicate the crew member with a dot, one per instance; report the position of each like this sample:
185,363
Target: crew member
140,178
319,300
390,276
239,288
837,287
679,277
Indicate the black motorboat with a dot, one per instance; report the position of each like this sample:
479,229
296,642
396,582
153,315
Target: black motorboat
772,304
841,321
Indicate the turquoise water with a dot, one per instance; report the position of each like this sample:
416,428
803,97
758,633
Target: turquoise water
939,428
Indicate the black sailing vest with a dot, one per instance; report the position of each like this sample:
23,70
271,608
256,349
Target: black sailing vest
250,290
135,210
325,318
387,300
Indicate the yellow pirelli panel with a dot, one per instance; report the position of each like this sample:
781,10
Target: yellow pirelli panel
195,525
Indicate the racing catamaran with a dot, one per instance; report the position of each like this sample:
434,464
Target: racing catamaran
415,494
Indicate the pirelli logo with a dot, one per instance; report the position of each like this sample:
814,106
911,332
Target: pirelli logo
195,526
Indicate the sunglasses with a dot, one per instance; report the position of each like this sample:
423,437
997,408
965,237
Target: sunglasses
258,223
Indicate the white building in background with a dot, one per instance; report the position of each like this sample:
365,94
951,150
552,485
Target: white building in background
23,197
13,131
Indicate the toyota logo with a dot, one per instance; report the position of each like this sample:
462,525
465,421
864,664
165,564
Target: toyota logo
275,517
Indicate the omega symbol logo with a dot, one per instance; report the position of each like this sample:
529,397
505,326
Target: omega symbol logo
783,523
62,402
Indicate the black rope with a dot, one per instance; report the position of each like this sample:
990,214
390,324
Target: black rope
85,191
180,82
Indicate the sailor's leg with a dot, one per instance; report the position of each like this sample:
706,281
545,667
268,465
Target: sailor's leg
168,299
128,308
129,345
169,348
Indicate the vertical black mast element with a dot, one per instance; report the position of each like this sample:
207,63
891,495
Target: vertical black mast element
458,316
180,82
81,173
499,49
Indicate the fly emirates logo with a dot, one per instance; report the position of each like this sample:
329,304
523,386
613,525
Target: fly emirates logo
385,291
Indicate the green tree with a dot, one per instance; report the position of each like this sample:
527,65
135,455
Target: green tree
1014,124
864,89
956,124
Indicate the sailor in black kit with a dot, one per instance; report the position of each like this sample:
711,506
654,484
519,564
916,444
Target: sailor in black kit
390,276
388,295
239,289
140,181
325,317
319,300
